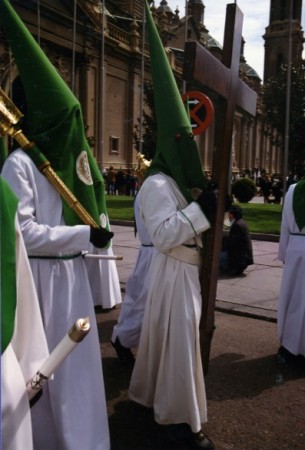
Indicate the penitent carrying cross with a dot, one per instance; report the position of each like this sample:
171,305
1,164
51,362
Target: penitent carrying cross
221,78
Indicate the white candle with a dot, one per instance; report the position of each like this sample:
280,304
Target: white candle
96,256
75,335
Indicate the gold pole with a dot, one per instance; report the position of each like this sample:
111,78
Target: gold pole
9,117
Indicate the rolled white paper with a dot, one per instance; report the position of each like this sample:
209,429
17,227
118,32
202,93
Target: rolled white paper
75,335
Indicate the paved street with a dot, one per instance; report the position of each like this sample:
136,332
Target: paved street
247,408
255,293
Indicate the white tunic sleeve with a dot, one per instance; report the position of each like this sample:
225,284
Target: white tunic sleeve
169,223
40,210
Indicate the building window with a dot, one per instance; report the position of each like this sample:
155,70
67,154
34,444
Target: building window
114,145
283,10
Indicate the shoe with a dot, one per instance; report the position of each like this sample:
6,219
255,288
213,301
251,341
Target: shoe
124,354
177,432
284,357
201,441
236,272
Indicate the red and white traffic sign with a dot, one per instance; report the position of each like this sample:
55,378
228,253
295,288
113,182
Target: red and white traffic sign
201,110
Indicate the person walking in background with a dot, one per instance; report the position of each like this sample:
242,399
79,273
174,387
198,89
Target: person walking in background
237,253
266,187
120,182
111,181
277,188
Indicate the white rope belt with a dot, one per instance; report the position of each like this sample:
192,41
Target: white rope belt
184,254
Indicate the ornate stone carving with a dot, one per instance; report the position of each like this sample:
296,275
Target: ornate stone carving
94,8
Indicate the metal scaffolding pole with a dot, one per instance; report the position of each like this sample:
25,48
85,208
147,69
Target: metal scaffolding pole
288,95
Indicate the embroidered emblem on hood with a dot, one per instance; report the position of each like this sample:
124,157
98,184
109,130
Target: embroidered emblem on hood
83,168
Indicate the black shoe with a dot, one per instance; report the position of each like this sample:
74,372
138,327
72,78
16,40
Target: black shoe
284,357
124,354
201,441
177,432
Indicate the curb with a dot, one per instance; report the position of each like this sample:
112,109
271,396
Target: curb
246,311
254,236
238,310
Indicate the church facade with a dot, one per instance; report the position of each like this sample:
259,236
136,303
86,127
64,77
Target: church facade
99,49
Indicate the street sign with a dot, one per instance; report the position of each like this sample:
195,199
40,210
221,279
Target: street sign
201,110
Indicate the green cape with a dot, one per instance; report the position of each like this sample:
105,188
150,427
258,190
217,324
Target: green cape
176,151
3,152
298,204
54,119
8,211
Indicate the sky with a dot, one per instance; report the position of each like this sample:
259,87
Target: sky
255,21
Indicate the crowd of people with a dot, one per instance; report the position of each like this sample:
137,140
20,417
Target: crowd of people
121,182
269,186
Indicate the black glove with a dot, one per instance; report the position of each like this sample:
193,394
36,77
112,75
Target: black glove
208,203
100,237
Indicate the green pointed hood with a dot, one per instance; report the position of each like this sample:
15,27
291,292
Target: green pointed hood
3,152
54,118
8,210
298,204
176,151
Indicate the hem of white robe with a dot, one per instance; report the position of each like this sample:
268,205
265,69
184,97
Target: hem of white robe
168,422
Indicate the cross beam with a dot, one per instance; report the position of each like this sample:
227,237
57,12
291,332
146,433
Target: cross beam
221,78
204,68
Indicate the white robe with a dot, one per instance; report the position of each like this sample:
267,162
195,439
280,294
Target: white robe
104,279
72,411
168,372
22,358
291,307
128,328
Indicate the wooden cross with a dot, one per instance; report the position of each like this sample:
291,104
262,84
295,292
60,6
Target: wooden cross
221,78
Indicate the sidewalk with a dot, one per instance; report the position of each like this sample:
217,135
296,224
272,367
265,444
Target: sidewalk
254,294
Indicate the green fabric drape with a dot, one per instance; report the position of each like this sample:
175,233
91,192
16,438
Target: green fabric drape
298,204
8,210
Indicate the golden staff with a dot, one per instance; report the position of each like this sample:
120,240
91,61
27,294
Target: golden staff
9,117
